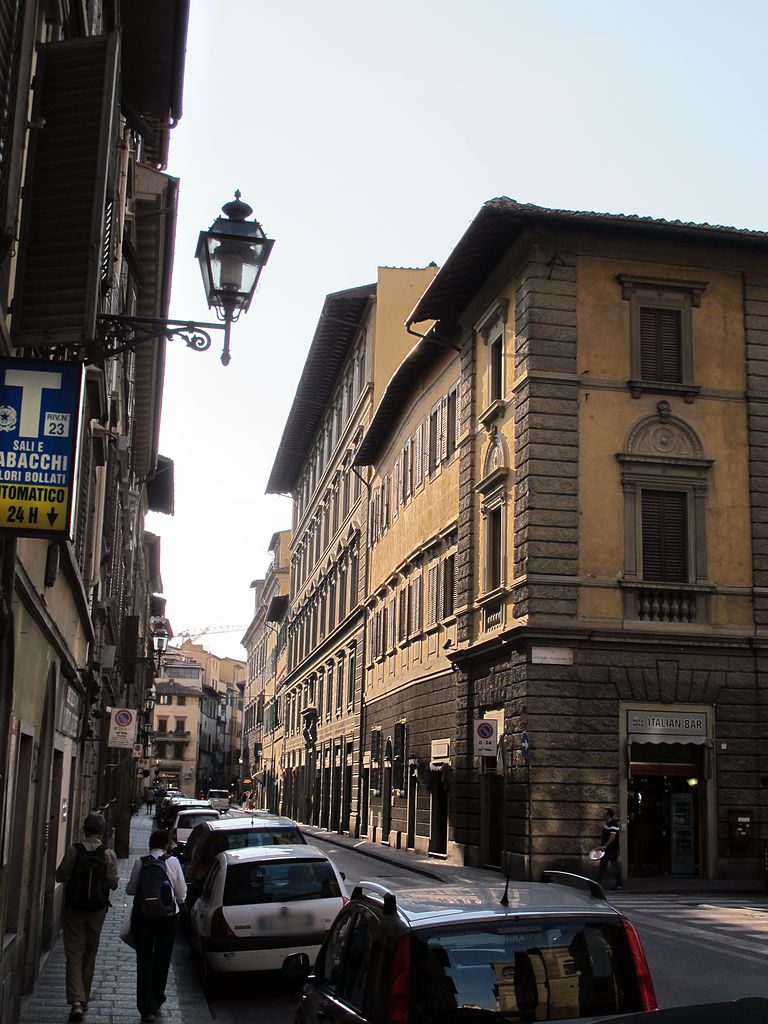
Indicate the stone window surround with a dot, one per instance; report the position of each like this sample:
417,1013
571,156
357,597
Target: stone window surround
661,293
687,471
489,327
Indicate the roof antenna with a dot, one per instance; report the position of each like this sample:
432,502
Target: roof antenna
504,901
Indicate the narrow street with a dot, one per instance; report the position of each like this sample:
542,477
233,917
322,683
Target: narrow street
701,946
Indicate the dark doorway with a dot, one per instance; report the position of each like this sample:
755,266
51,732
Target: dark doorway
413,790
664,810
347,797
491,818
386,794
364,797
438,824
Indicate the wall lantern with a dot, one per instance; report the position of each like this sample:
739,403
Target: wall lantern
149,700
232,254
159,645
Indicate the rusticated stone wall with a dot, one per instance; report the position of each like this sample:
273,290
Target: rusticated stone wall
545,532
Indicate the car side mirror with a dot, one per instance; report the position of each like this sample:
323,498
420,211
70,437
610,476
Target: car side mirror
296,968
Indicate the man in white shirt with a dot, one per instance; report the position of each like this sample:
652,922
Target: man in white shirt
154,932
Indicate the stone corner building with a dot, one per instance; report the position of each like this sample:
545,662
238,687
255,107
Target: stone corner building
567,547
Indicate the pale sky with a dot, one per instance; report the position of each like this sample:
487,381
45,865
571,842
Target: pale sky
366,135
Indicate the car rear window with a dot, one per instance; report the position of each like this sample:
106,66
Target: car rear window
216,794
551,970
192,818
279,882
226,840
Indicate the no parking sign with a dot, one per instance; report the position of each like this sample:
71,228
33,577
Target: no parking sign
486,737
122,728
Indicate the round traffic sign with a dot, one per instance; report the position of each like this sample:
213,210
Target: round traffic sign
525,745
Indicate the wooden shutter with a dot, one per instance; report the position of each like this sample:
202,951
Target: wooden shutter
665,536
418,456
661,344
65,193
396,489
432,594
11,30
443,429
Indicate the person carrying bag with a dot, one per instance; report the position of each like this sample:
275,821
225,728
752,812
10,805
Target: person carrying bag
89,871
157,886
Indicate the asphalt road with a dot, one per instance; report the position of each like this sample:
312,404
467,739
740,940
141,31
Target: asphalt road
701,949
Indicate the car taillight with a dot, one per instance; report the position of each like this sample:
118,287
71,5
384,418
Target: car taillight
400,982
643,971
344,900
219,927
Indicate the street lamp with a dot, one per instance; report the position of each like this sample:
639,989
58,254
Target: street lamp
232,254
159,645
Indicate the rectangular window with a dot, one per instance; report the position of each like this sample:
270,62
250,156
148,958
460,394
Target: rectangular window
451,421
661,345
665,536
449,585
493,535
339,686
433,448
415,606
181,701
162,725
418,456
496,370
402,614
432,591
351,677
407,470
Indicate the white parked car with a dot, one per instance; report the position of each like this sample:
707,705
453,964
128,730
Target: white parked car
219,798
188,818
261,905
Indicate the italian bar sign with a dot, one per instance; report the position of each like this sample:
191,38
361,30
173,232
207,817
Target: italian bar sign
39,416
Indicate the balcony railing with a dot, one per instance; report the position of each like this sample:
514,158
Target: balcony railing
678,605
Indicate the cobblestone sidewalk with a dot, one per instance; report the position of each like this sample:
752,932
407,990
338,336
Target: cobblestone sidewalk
113,998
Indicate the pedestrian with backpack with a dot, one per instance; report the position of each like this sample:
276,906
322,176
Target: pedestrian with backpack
89,871
158,887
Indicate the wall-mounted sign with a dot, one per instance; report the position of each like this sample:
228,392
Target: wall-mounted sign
440,750
122,728
551,656
39,417
485,731
647,726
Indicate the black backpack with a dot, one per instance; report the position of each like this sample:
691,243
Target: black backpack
87,887
154,892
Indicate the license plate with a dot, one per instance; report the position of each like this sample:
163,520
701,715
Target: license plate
286,923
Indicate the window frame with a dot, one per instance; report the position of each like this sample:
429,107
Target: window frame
661,293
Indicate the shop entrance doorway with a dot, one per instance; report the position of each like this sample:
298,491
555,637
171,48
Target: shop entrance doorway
665,808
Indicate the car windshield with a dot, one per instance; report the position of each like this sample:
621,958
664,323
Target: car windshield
279,882
522,971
